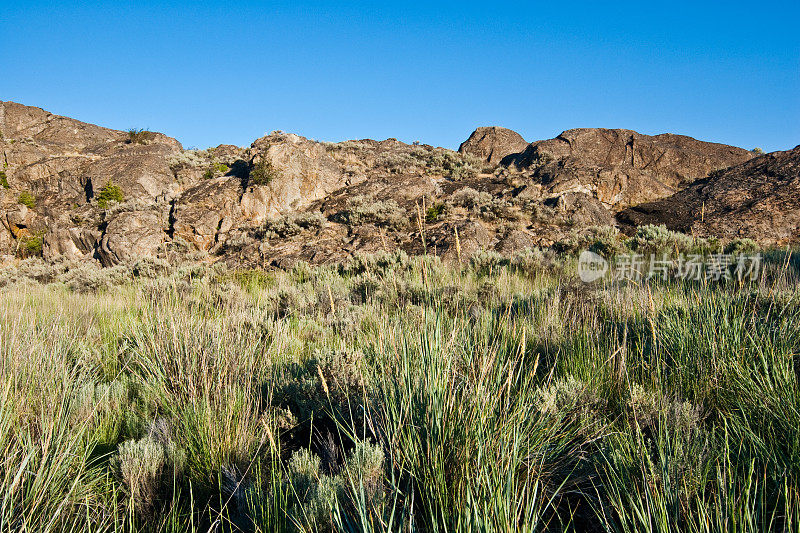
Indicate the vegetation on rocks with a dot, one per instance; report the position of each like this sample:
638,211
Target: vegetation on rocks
263,173
482,204
27,199
139,136
435,211
368,210
294,224
111,193
497,191
215,169
30,244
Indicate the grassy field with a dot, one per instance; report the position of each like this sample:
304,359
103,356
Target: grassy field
400,394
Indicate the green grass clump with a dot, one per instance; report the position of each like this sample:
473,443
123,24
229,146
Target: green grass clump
110,193
4,180
397,392
27,199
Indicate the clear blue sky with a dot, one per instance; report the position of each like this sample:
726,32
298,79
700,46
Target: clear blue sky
227,72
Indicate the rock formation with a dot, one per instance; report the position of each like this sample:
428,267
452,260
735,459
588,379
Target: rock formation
621,167
71,190
493,144
759,199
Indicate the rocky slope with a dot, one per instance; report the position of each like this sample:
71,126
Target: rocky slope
759,199
621,167
71,190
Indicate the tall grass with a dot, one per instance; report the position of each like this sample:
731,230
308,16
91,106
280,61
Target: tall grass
400,394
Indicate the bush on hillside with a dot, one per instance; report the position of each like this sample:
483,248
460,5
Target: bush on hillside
482,204
367,210
263,173
139,136
111,193
293,224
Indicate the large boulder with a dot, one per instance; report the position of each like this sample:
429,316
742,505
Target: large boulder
205,213
493,144
31,124
287,173
141,171
66,162
132,235
302,172
622,168
759,199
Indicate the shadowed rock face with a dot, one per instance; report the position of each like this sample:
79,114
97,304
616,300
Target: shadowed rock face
492,144
286,198
622,167
759,199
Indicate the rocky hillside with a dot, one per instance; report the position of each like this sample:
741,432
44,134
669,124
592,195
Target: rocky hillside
71,190
621,168
758,199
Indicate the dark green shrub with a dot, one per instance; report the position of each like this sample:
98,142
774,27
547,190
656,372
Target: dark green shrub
263,173
435,211
110,193
34,246
4,180
31,245
27,199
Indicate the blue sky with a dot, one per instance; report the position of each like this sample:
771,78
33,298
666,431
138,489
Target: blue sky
226,72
